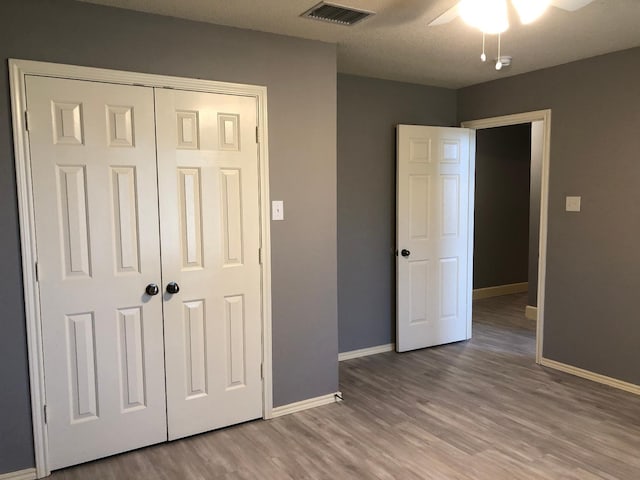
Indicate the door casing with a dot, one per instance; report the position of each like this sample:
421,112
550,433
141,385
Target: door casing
516,119
18,69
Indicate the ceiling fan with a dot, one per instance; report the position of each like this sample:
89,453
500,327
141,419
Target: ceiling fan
528,10
491,17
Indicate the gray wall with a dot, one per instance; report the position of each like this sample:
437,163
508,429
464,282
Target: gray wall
368,110
301,80
592,284
537,146
501,237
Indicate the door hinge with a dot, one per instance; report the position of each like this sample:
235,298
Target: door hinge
262,371
45,414
26,120
37,273
260,256
257,136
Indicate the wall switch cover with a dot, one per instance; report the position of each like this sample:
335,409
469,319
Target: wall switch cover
277,210
573,204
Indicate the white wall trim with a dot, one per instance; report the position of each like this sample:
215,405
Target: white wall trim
515,119
306,404
18,70
499,290
594,377
365,352
470,233
28,474
531,313
265,246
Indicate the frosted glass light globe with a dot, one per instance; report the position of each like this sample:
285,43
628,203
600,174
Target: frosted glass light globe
490,16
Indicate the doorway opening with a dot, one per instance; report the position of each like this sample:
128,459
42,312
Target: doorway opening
534,128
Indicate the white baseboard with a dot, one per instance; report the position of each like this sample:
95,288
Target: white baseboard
594,377
363,352
306,404
28,474
531,313
499,290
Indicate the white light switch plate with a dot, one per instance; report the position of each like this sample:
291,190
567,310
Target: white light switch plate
573,204
277,210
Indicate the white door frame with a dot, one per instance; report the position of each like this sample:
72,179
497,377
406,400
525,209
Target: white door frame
516,119
18,69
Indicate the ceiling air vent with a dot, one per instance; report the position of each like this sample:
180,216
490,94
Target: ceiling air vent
329,12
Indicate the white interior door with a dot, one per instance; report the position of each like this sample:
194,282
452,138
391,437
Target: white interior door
209,205
434,235
93,162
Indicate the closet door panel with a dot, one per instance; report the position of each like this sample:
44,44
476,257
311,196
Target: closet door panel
208,184
93,162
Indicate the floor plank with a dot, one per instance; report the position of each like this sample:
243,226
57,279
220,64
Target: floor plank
468,411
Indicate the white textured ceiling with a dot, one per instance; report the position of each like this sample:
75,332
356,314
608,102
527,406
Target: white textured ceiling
396,43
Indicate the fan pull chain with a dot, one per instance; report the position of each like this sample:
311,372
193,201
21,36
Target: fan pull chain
483,57
499,61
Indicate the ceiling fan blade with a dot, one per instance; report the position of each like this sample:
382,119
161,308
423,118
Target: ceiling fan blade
571,5
448,16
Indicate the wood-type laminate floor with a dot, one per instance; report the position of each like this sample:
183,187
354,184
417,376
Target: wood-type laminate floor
470,411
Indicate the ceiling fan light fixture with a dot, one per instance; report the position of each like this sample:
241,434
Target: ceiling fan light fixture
530,10
489,16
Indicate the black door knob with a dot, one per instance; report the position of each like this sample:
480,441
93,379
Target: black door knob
173,287
405,252
152,289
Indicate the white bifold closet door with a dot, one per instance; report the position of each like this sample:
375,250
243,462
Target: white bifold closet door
133,192
208,179
93,162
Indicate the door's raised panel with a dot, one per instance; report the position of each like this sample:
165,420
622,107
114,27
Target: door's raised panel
120,126
450,151
82,366
67,123
419,288
229,132
188,130
419,191
449,282
236,341
195,348
125,211
74,221
131,347
419,151
232,216
450,205
190,191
